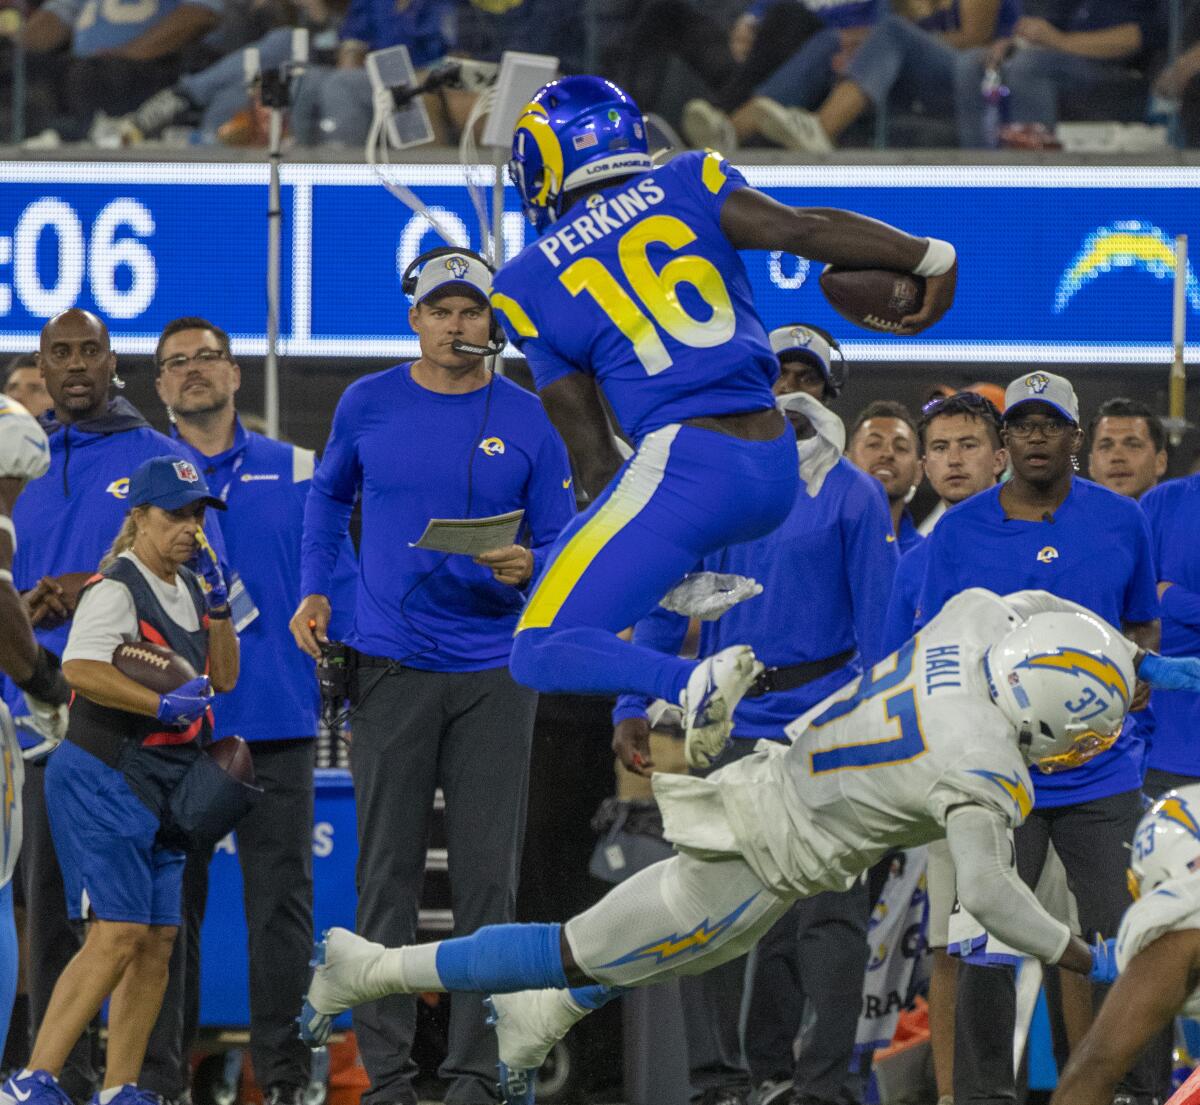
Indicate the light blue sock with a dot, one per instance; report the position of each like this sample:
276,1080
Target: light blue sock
501,959
596,995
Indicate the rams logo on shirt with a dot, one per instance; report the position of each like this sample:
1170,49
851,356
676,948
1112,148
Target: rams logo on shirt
119,489
1047,555
492,446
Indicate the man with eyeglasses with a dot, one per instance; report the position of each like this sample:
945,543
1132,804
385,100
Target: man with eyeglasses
264,485
67,520
1049,530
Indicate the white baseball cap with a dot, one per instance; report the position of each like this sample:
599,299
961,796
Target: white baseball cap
461,269
1042,387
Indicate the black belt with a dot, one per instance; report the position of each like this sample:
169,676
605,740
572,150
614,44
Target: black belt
364,661
796,675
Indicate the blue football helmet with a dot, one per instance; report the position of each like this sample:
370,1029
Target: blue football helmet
575,131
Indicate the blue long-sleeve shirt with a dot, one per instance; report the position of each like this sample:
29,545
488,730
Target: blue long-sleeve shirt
900,621
264,484
1173,511
414,454
67,520
977,545
826,574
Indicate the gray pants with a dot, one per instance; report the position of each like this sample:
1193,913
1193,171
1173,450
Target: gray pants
469,733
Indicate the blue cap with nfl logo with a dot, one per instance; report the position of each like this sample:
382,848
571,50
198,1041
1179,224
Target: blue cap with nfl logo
169,483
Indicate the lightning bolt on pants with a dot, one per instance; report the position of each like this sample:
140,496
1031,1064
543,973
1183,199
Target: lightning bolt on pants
682,916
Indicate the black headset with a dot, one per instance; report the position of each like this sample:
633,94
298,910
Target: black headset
834,380
408,285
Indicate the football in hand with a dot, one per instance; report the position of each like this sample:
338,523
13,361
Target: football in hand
874,299
153,666
232,755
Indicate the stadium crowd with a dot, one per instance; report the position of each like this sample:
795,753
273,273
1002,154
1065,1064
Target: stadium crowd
800,75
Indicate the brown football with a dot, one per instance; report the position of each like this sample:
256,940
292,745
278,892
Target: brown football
233,756
874,299
153,666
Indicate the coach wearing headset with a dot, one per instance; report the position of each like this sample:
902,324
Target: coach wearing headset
441,437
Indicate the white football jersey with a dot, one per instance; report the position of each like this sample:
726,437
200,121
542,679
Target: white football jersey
876,766
12,776
1171,907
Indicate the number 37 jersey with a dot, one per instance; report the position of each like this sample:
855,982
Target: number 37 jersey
639,287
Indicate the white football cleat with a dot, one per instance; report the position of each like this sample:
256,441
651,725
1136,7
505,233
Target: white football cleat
342,978
528,1024
713,691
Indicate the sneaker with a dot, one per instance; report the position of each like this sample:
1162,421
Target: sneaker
33,1087
162,110
341,980
528,1024
773,1093
128,1094
793,128
716,1095
707,127
713,691
280,1093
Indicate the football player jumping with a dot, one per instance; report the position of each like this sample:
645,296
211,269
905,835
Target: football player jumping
24,456
635,289
932,742
1158,952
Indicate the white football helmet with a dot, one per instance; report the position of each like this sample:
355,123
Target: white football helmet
24,450
1167,842
1064,680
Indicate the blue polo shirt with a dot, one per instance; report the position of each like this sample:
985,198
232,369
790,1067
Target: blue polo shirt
908,538
826,574
900,620
1097,552
1173,511
264,484
67,520
415,454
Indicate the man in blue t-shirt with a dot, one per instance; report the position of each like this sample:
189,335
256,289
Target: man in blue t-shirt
1047,529
833,557
442,437
883,443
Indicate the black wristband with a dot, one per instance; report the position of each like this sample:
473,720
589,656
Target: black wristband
221,614
47,683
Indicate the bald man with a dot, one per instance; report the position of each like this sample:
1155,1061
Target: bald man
67,520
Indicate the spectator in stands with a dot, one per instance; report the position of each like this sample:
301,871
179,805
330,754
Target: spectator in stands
884,443
263,484
1179,82
910,55
963,455
835,548
23,382
67,522
804,79
90,56
1039,530
1128,452
442,437
732,59
1077,49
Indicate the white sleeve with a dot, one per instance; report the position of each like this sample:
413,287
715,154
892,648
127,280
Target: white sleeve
992,892
104,619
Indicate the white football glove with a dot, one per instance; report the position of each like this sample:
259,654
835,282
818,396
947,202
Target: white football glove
24,450
708,595
48,722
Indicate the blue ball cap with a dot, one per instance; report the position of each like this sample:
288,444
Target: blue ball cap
170,483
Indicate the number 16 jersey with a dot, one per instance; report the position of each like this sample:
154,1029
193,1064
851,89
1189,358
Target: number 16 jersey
639,287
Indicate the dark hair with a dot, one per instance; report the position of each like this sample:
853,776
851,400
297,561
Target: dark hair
1130,408
968,403
192,322
21,360
882,408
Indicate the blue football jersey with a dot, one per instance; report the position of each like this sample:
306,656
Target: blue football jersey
639,287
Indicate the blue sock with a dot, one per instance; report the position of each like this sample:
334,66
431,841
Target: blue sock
596,995
583,660
499,959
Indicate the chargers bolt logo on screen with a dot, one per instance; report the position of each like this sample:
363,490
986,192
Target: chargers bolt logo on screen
458,266
1129,244
492,446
